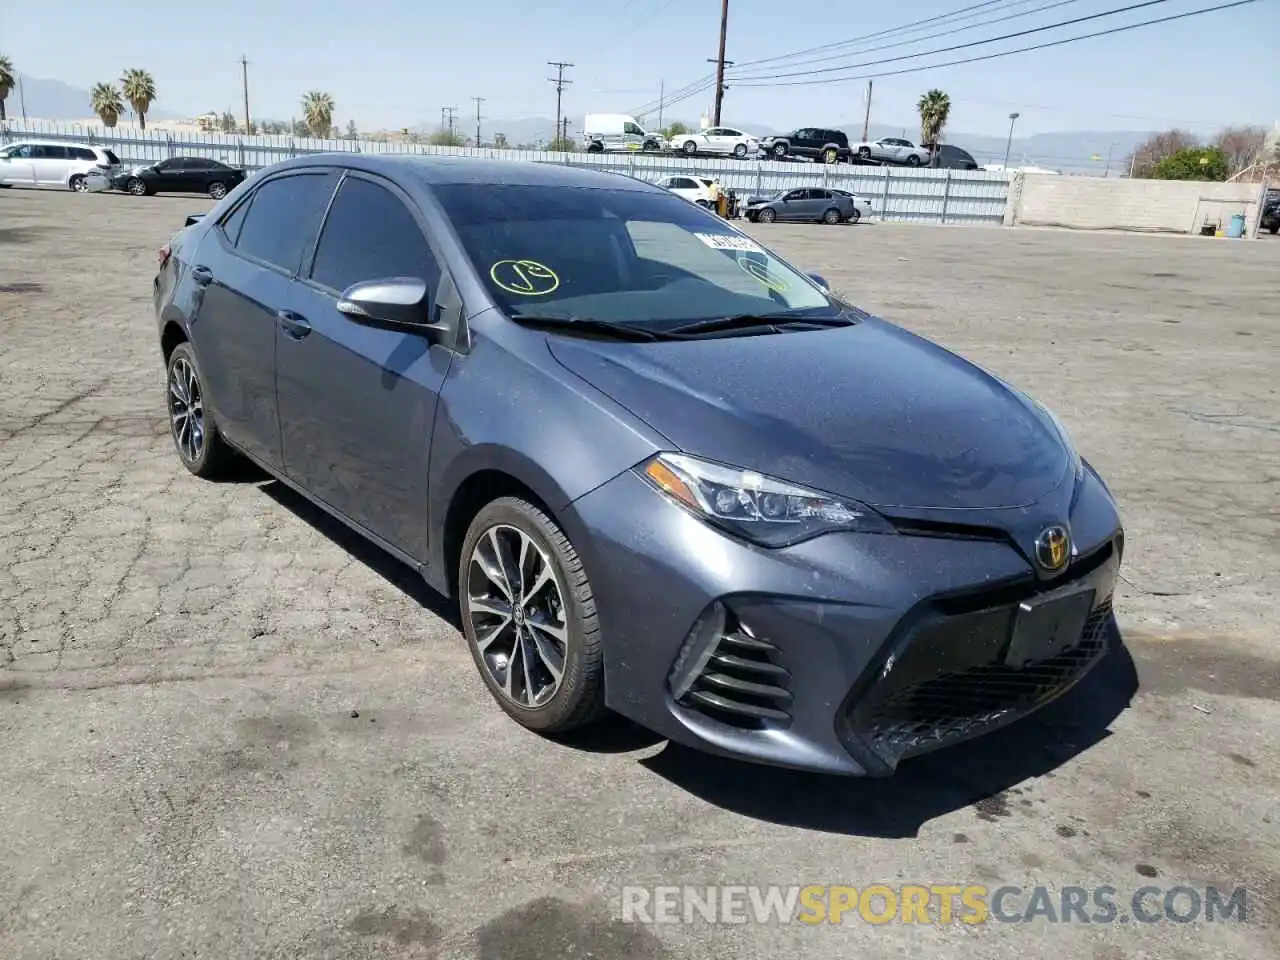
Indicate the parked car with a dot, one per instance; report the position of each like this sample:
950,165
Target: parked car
618,132
807,204
1270,217
813,143
718,140
947,157
696,189
893,150
49,163
861,205
180,175
663,471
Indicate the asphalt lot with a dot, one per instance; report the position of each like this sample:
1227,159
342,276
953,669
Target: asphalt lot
232,730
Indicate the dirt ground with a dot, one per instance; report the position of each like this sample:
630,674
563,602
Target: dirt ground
231,729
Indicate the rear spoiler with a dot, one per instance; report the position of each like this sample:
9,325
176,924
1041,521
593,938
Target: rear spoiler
193,218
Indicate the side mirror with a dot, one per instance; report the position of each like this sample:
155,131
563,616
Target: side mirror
397,302
820,281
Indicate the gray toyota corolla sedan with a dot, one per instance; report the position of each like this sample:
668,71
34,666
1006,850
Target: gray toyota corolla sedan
664,472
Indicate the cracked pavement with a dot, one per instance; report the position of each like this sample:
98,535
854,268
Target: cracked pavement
231,728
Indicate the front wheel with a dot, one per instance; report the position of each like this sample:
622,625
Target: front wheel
913,160
831,217
137,187
780,150
529,617
740,151
766,216
79,183
1274,228
195,435
217,189
690,148
855,215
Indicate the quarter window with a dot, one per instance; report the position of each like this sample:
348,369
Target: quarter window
283,218
370,235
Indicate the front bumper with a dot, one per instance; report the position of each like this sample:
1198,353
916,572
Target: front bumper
845,654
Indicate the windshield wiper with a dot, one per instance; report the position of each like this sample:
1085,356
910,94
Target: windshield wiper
749,321
568,321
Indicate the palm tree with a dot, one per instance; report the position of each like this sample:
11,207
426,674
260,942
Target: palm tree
140,90
317,110
7,82
107,103
935,108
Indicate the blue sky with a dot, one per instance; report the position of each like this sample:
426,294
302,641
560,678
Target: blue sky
392,63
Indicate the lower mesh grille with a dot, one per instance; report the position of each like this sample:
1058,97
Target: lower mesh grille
950,702
742,683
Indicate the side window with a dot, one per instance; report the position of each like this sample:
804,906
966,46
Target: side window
112,158
231,223
82,153
631,129
369,235
49,152
796,195
819,194
283,218
23,151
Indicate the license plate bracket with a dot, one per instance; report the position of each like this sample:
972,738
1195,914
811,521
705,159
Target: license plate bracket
1044,628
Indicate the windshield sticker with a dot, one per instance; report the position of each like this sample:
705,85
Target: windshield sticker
760,271
527,278
728,241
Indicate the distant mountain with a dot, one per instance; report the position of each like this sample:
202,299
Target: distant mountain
55,100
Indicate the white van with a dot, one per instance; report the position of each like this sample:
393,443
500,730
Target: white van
50,163
618,132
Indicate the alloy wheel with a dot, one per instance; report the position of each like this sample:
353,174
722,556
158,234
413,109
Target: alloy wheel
79,184
217,190
515,603
137,187
186,410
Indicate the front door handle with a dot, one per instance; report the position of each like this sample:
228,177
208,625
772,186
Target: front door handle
202,275
295,325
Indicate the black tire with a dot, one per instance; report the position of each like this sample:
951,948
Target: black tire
690,148
855,215
79,183
579,699
217,189
780,150
137,186
740,151
767,215
864,153
651,146
831,217
595,147
213,459
913,160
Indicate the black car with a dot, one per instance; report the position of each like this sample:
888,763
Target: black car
947,157
1270,219
180,175
813,143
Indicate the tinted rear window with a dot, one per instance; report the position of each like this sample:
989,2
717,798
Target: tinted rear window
112,158
283,218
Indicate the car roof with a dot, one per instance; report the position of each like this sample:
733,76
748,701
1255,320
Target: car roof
39,142
437,170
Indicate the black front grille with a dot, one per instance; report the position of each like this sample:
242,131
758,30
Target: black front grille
743,682
951,681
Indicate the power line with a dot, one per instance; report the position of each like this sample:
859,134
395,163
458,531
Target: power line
560,83
928,36
1006,53
965,46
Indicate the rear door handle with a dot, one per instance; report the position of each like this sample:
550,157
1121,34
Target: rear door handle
202,275
295,325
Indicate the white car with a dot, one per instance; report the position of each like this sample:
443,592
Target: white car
694,189
723,141
861,205
893,150
51,163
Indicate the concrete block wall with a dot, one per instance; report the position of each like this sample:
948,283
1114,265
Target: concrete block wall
1156,206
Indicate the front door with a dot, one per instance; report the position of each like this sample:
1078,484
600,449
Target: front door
357,403
172,176
246,267
15,165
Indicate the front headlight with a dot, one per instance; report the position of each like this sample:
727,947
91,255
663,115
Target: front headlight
770,512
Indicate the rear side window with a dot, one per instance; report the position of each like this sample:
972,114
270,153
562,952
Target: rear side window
370,235
112,158
82,153
283,218
49,152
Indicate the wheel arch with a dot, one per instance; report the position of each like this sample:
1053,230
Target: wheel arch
172,335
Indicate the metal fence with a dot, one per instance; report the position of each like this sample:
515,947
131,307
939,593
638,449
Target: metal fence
896,193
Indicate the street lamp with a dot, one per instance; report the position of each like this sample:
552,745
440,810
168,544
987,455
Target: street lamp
1013,118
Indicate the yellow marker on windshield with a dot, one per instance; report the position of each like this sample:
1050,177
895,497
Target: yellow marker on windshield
760,271
527,278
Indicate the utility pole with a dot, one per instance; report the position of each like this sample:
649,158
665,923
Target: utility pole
1110,149
22,100
446,121
564,133
244,82
866,119
560,83
478,100
1013,118
662,95
724,29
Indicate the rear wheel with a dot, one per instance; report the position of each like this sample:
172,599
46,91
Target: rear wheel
79,183
690,148
766,216
832,216
195,435
780,150
136,186
1274,228
529,617
217,189
913,160
855,215
864,153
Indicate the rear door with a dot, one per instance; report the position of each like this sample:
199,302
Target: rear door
51,164
246,266
357,403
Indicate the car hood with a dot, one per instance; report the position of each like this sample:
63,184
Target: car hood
870,412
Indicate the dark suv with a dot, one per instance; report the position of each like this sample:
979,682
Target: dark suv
814,143
1270,219
948,157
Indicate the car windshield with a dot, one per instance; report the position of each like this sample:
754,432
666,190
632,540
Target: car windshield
625,256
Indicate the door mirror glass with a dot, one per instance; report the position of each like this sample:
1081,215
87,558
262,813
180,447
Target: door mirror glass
820,280
397,301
